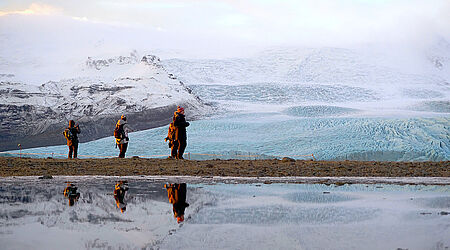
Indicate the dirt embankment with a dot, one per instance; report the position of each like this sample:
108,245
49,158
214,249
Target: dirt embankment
10,166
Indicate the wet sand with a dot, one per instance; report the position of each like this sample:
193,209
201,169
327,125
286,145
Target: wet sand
12,166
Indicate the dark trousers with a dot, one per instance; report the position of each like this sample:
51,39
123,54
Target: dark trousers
174,149
123,149
73,149
181,147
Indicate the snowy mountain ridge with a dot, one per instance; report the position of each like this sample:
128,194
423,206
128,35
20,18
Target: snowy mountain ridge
103,90
120,60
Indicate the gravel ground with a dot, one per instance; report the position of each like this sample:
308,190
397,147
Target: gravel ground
12,166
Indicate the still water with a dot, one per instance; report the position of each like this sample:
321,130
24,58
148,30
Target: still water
183,213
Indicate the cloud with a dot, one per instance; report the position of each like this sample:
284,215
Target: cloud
35,9
342,22
264,22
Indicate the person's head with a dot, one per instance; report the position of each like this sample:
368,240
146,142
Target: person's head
180,110
123,117
71,123
180,218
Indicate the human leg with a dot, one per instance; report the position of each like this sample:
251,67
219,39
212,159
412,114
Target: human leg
75,150
123,150
174,149
181,147
120,150
70,152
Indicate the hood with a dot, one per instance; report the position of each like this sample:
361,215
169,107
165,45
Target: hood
121,122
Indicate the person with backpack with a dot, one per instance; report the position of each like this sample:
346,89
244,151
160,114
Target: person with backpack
179,121
71,134
173,144
121,135
177,197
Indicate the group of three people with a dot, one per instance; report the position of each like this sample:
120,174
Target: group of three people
176,193
176,136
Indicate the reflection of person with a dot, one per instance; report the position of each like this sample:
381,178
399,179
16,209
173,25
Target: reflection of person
177,197
173,144
70,192
71,134
119,195
180,123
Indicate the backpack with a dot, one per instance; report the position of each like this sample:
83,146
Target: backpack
68,134
119,133
172,131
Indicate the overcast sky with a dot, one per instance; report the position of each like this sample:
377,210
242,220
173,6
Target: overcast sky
258,22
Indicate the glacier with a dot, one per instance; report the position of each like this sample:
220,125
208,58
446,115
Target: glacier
279,135
365,102
387,115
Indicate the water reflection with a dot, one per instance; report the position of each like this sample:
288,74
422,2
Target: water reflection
177,197
34,215
120,190
70,192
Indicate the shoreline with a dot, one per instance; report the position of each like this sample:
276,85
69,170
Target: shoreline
211,180
14,166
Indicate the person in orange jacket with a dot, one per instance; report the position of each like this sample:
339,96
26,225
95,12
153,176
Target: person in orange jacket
180,123
121,135
71,135
177,197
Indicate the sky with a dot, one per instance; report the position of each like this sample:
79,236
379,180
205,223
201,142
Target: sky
209,24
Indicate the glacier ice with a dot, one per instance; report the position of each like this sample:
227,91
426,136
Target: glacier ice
412,139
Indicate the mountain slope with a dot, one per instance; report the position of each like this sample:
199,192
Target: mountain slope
102,91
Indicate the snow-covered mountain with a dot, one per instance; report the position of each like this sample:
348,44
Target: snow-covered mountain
96,95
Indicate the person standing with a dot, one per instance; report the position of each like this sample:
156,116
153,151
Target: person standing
71,134
179,121
121,135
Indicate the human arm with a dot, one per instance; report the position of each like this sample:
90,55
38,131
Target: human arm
180,122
